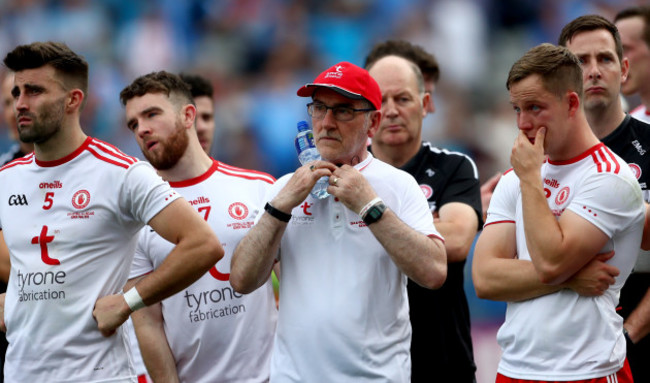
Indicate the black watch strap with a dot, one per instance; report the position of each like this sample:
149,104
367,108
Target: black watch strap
282,216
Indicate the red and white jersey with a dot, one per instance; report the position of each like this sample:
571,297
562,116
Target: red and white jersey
565,336
641,113
344,314
71,226
215,333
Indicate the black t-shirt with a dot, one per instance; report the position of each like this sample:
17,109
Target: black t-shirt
441,348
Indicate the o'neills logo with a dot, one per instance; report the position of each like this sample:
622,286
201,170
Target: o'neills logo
50,185
81,199
552,183
238,210
199,201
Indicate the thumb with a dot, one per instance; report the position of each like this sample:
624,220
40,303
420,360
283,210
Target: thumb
604,257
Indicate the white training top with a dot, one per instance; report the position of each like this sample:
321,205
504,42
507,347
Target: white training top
71,227
215,333
344,312
641,113
565,336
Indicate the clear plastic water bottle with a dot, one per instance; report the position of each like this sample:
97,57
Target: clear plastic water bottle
307,152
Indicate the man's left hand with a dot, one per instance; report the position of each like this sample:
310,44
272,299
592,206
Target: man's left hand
110,312
350,187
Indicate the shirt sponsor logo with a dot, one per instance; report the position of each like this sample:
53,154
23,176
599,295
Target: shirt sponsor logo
17,199
636,170
238,210
213,304
638,147
81,199
50,185
38,286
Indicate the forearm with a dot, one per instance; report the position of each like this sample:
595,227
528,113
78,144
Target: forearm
255,255
155,350
637,323
508,280
186,263
544,236
421,258
458,239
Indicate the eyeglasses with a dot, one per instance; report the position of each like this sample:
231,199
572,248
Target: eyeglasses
318,111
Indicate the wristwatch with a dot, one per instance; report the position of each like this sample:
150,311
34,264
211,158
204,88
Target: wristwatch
374,213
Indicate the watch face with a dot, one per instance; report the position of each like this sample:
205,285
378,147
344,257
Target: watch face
374,213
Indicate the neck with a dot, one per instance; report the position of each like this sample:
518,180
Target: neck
396,155
65,141
605,121
581,140
25,148
192,163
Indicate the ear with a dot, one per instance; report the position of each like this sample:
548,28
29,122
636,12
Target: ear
375,119
75,99
188,113
427,101
625,69
574,103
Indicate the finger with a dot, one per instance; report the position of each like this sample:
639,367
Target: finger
604,257
539,137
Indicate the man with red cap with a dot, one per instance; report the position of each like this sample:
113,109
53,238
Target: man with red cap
346,258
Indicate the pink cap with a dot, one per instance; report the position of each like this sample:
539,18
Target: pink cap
349,80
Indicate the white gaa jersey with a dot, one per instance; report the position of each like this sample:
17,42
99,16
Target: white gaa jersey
565,336
641,113
344,314
215,333
71,228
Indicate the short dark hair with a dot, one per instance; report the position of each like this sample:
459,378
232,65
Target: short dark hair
199,85
158,82
591,23
72,67
641,11
424,60
559,69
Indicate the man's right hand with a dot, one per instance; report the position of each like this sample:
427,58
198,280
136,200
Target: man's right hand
595,277
300,184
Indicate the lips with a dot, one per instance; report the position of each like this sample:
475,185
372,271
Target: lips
595,89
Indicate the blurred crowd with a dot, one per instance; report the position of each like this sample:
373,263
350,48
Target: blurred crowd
257,52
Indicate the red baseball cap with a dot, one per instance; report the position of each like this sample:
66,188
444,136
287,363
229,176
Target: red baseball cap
349,80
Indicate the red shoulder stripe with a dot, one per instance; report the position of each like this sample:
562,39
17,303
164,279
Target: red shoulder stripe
112,150
28,159
244,173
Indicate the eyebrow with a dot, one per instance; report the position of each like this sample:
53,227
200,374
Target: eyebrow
150,109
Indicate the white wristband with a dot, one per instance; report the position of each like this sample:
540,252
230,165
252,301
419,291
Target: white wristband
133,299
370,204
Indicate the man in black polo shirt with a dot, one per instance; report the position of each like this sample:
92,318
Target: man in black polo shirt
441,348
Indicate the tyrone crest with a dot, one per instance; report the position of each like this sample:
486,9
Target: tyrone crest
562,196
238,210
81,199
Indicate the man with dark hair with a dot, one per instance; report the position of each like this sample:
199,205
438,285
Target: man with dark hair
634,26
597,43
203,94
550,226
74,209
180,336
345,259
450,183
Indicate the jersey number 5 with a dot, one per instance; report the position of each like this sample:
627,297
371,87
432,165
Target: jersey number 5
49,200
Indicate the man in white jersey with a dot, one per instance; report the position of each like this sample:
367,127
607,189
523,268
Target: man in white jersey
345,259
207,332
547,223
72,212
634,26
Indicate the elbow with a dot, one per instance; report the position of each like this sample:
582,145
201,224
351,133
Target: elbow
239,283
437,275
482,288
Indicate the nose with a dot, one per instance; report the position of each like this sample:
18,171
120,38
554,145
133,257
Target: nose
20,103
524,122
143,129
329,122
592,71
388,108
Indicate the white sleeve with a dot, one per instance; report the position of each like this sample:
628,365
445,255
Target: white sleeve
503,205
609,202
414,209
144,193
142,262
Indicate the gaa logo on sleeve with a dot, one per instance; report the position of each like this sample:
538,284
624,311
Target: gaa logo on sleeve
81,199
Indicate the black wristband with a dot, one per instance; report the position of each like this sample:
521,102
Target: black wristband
282,216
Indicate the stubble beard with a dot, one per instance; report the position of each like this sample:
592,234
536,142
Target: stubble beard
46,123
